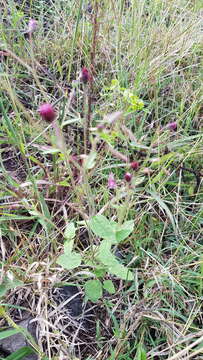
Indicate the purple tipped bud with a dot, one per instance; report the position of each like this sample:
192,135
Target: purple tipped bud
134,165
172,126
128,177
32,26
111,181
100,127
47,112
85,75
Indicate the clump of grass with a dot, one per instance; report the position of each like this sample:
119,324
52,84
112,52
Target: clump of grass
124,81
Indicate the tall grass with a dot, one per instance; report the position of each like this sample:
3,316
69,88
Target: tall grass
50,177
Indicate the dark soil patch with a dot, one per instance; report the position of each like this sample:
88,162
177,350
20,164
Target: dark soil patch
69,315
13,162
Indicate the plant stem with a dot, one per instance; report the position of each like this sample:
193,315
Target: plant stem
95,28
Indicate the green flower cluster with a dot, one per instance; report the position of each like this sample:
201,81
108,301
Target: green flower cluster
132,101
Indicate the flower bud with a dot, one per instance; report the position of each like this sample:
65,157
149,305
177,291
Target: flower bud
32,26
47,112
172,126
111,181
134,165
85,76
128,177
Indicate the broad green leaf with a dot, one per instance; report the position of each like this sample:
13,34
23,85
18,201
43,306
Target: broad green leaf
124,230
69,232
100,272
102,227
20,353
93,290
6,333
89,162
68,246
114,267
109,286
105,255
69,261
121,271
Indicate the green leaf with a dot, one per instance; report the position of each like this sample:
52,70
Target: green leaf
8,284
69,261
102,227
68,246
13,306
114,82
11,131
46,219
124,230
108,259
7,217
163,160
141,353
109,286
108,137
121,271
51,151
100,272
43,220
164,207
138,180
63,183
105,255
89,162
93,290
6,333
69,232
20,353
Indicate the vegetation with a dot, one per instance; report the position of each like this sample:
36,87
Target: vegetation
100,177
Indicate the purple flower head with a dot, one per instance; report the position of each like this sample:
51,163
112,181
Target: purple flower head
111,181
32,26
85,75
47,112
128,177
134,165
172,126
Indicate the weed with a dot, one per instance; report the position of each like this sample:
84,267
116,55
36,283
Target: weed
105,195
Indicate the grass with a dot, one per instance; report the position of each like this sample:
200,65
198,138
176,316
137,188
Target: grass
154,50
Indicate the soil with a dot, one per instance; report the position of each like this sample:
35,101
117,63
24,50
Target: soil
15,342
13,162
